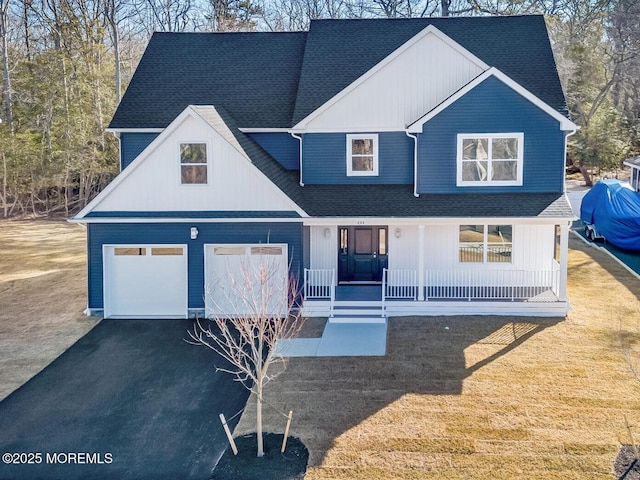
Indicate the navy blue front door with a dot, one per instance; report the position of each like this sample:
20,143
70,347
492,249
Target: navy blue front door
362,253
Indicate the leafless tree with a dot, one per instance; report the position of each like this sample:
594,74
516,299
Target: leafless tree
252,308
4,47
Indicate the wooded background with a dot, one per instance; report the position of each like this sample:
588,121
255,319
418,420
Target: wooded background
65,64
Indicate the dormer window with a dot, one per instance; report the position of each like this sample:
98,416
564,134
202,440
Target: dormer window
362,155
193,163
490,159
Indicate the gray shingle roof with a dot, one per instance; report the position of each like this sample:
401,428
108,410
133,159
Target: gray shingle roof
254,75
276,79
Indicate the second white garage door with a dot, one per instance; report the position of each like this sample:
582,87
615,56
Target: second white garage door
147,281
239,277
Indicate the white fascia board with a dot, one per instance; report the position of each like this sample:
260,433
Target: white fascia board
301,125
83,221
377,221
565,123
264,130
399,128
134,130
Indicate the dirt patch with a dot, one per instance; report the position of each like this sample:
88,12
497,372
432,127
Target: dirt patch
274,465
627,466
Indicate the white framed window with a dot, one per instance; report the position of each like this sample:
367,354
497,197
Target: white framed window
194,165
485,243
490,159
362,155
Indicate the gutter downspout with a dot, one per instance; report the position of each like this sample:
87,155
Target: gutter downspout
566,137
299,138
415,163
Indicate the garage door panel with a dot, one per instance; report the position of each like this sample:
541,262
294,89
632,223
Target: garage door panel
249,271
152,283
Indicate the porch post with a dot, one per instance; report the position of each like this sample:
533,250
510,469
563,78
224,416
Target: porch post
421,262
564,261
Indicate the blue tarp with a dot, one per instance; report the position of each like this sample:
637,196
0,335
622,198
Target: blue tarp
614,208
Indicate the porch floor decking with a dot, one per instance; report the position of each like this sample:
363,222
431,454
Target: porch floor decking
361,293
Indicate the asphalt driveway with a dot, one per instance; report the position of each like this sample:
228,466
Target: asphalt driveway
627,257
129,400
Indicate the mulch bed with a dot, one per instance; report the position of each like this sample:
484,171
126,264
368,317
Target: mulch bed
290,465
625,466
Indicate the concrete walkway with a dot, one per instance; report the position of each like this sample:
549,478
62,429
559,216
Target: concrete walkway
339,340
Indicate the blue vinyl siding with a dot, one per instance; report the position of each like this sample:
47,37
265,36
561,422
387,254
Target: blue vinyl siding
325,159
281,146
132,144
491,107
99,234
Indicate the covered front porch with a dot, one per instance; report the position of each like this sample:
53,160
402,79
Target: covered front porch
435,292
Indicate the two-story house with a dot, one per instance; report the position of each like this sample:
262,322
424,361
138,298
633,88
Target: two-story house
413,165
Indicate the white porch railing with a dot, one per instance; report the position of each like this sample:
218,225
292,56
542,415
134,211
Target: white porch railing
399,284
320,284
490,284
470,284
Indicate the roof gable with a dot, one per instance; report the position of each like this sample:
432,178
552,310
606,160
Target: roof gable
340,51
151,183
412,79
565,123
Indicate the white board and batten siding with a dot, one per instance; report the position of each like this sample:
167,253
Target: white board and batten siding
145,281
239,277
533,248
324,247
399,90
154,183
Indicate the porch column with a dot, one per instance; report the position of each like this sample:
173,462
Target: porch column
564,261
421,262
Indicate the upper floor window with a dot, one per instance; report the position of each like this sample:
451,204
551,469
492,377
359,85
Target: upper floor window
362,155
193,163
485,243
490,159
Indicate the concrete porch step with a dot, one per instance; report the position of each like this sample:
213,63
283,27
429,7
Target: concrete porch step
370,312
358,303
358,319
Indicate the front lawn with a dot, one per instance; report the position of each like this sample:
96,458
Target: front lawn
477,397
43,283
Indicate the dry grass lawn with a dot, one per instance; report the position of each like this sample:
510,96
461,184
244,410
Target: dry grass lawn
42,296
485,398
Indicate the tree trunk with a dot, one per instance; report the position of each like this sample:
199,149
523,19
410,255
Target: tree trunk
5,205
259,421
4,38
444,5
585,174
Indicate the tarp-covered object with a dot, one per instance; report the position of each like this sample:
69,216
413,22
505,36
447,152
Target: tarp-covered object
614,208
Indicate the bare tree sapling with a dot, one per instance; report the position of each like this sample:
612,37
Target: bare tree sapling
250,307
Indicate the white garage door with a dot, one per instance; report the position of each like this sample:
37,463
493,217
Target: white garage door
240,277
145,281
